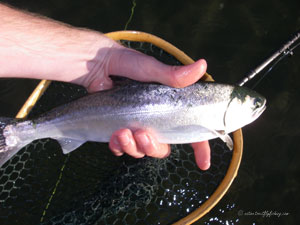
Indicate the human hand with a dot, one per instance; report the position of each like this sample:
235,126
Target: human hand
137,66
87,58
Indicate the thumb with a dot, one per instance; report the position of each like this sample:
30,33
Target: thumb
181,76
137,66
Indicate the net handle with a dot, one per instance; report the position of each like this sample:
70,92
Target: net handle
183,58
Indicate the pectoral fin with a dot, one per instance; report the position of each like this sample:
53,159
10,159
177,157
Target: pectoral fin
68,145
226,138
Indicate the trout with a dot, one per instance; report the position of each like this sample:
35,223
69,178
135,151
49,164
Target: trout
202,111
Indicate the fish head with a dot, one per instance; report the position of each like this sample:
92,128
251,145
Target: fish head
244,107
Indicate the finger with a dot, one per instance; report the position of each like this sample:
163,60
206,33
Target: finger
202,154
182,76
115,146
150,146
100,84
123,141
135,65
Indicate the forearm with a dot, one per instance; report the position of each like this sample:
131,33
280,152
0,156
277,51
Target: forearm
35,47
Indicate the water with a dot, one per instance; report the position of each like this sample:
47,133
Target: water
234,37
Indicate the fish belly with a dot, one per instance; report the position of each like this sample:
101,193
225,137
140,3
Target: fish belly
168,127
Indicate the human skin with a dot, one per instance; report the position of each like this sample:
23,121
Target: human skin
35,47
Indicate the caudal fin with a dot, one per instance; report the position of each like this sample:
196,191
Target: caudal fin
6,152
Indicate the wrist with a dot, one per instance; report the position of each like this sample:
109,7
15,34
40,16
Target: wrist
94,60
35,47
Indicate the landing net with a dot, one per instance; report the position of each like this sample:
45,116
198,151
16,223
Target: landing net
40,185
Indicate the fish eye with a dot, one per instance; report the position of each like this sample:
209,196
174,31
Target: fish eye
257,102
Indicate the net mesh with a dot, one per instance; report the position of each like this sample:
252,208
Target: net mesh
40,185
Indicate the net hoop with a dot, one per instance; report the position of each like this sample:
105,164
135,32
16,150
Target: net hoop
184,59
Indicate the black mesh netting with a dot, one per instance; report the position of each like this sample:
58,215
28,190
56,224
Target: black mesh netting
40,185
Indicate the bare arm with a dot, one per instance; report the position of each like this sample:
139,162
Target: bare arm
35,47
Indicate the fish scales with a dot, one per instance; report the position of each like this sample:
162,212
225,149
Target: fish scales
141,106
202,111
132,97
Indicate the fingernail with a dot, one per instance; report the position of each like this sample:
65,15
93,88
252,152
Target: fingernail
117,143
124,140
206,165
143,140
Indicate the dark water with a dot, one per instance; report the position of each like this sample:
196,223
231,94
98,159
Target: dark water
233,36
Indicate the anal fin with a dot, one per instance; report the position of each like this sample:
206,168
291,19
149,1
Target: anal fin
69,145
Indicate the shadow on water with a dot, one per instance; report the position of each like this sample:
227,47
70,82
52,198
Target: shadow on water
233,37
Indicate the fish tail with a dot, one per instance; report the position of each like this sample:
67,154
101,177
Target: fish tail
7,150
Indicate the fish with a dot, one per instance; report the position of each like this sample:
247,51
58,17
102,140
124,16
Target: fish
202,111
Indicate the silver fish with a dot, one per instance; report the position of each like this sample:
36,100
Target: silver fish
202,111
